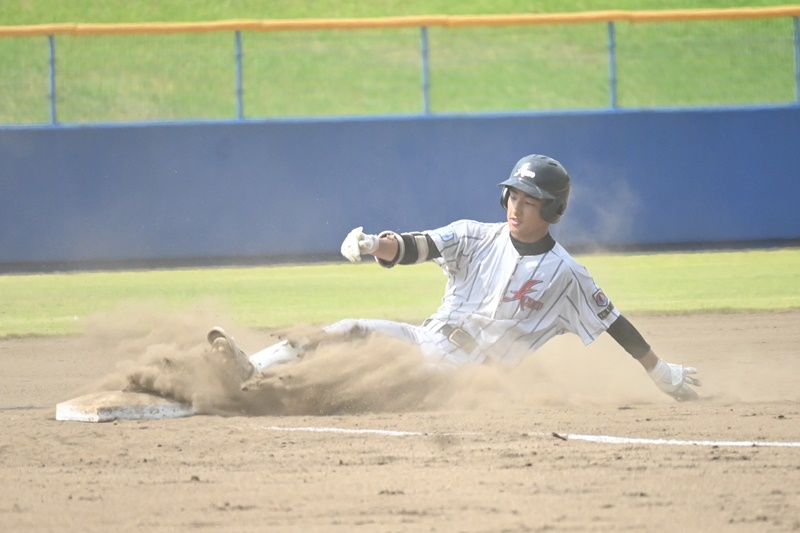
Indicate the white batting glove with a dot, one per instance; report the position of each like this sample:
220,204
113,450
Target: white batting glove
675,380
357,242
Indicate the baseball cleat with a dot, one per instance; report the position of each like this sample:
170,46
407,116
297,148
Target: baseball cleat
215,333
224,344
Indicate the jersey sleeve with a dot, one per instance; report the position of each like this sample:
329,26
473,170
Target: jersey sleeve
589,311
454,240
447,239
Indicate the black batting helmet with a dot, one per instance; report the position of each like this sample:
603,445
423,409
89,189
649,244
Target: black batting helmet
541,177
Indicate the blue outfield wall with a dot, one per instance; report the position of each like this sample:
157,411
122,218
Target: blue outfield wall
282,188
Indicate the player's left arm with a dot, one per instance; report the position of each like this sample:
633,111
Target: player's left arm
675,380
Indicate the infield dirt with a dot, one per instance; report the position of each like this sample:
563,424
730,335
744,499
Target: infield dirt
364,437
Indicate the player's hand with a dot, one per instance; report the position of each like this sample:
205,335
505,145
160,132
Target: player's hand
357,243
675,380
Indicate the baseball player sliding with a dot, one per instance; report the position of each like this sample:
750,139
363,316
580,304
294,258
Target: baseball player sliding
511,287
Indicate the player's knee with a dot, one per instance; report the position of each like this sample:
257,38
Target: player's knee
280,353
351,328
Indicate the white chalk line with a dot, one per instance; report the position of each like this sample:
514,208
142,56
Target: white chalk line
608,439
603,439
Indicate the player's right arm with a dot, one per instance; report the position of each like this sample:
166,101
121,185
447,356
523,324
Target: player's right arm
358,243
389,248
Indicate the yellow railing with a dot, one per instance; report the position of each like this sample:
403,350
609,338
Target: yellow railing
447,21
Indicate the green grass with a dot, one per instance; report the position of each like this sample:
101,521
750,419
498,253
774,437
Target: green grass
701,282
278,296
334,73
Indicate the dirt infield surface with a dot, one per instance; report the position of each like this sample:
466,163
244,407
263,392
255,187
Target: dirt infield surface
366,439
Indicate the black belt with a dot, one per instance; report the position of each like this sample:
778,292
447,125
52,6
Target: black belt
457,336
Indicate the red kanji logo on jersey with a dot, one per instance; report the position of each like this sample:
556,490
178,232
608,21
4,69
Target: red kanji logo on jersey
525,301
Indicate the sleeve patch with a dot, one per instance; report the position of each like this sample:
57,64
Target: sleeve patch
600,298
446,234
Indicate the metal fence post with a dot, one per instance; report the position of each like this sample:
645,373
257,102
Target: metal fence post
239,89
426,97
52,96
612,65
797,59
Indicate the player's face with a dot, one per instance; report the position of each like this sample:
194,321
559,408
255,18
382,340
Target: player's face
524,217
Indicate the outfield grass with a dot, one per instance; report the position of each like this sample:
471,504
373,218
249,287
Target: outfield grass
277,296
366,72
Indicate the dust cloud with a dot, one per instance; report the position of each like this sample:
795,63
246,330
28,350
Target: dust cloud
165,353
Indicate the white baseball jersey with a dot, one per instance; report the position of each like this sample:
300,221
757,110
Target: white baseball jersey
510,304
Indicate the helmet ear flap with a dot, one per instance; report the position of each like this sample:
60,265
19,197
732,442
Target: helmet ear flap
553,210
504,197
